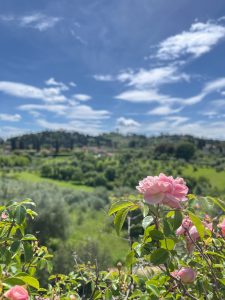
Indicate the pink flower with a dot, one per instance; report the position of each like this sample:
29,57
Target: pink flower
163,189
222,226
186,275
17,293
4,216
190,232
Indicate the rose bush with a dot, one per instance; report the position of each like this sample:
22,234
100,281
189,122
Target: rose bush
179,254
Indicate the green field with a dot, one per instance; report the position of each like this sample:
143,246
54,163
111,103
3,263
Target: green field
95,225
217,179
35,178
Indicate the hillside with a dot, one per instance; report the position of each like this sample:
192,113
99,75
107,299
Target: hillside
72,178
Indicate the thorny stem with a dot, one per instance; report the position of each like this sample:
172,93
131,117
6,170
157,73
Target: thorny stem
130,287
206,258
96,279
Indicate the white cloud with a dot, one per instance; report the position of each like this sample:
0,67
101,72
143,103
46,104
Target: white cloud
21,90
199,40
146,96
214,130
81,97
125,125
210,87
10,118
153,77
75,111
54,108
84,112
52,82
87,127
73,84
177,120
10,131
147,78
127,122
214,85
164,110
37,21
100,77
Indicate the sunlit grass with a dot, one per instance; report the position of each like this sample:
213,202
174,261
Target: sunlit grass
35,178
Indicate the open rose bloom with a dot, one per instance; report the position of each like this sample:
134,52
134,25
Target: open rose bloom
186,275
163,189
17,293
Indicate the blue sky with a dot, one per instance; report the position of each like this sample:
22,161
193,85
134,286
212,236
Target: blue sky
141,66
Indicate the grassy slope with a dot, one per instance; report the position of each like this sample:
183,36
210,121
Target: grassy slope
94,227
33,177
217,179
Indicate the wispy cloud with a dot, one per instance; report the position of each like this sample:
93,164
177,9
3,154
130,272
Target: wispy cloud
101,77
153,77
52,82
36,20
164,110
75,111
146,96
143,78
81,97
207,129
21,90
87,127
198,40
10,131
10,118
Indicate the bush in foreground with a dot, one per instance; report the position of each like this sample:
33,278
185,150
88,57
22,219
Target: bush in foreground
178,255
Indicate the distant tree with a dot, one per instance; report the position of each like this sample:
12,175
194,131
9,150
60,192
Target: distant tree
185,150
164,148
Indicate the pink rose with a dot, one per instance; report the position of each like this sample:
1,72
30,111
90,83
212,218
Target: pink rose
190,232
186,275
4,216
17,293
163,189
222,226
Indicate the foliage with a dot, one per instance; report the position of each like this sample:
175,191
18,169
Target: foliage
159,264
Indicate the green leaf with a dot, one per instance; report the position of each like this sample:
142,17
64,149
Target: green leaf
218,202
168,244
198,224
20,214
177,219
28,251
12,281
119,206
147,221
152,288
159,256
156,235
15,246
167,228
97,295
170,214
215,254
144,209
30,281
130,259
120,219
29,237
222,281
108,295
